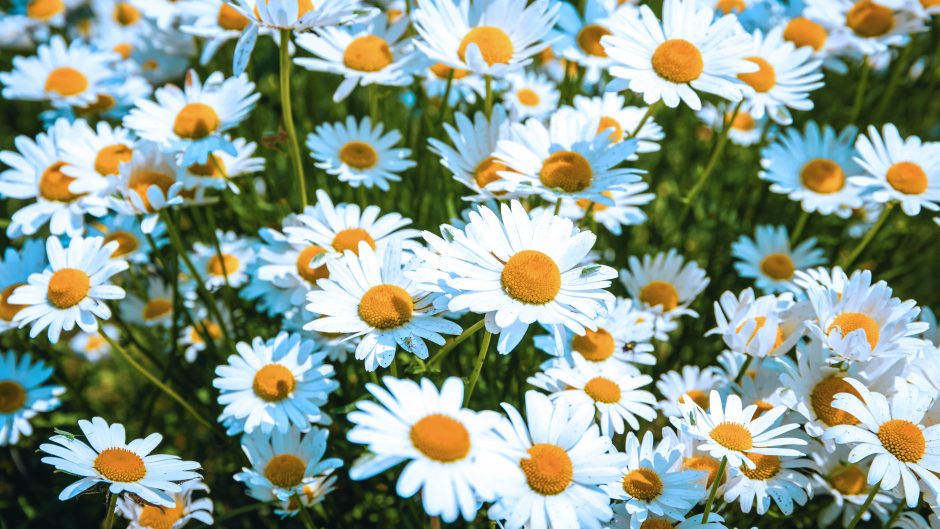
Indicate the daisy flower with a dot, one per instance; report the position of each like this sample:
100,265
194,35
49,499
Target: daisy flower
185,509
743,128
688,51
221,168
489,38
565,459
22,395
93,156
314,491
227,265
899,169
132,241
373,53
15,268
516,270
92,345
530,95
72,290
619,121
769,259
37,171
153,310
197,336
624,211
579,38
664,283
864,27
726,430
64,75
464,87
214,21
771,478
274,384
283,462
147,184
369,296
453,454
122,467
756,326
891,431
847,484
693,383
625,521
358,153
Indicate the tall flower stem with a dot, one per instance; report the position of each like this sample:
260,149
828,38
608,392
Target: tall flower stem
478,366
800,226
468,332
860,93
112,506
714,489
889,523
650,110
288,118
864,508
860,247
445,103
488,104
305,515
744,366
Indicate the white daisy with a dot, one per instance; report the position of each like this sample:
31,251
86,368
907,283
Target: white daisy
226,265
15,268
198,336
756,326
578,38
22,395
93,157
153,310
847,483
221,168
530,95
693,383
215,21
132,241
864,27
664,283
297,15
147,184
771,478
769,259
92,345
186,508
620,121
743,128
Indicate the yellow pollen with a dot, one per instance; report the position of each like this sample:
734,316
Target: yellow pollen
12,396
656,523
822,176
487,172
285,470
528,97
109,159
273,382
103,102
660,294
442,71
548,470
567,170
821,397
730,6
441,438
304,268
903,439
494,44
230,19
766,467
531,277
603,389
851,321
743,121
7,309
120,465
869,19
350,238
802,31
908,178
142,180
703,463
44,10
195,121
778,266
594,346
589,39
127,242
213,168
643,484
763,79
368,53
850,480
54,184
732,436
358,155
157,517
608,123
386,306
697,396
678,61
222,267
68,287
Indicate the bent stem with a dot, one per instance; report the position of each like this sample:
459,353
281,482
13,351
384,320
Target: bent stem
112,507
860,247
714,489
864,507
468,332
288,119
478,366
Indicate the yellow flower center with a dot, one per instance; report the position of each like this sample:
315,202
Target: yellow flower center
743,121
802,31
127,242
486,172
213,168
730,6
157,517
441,438
766,467
12,396
589,39
195,121
903,439
44,10
214,332
442,71
531,277
762,407
273,382
358,155
678,61
732,436
109,159
703,463
778,266
304,268
610,124
907,177
125,14
350,238
230,19
697,396
224,266
567,170
386,306
54,184
285,470
142,180
368,53
528,97
851,321
763,79
821,397
869,19
603,389
660,294
849,480
7,309
494,44
548,470
594,346
68,287
120,465
157,308
66,81
822,176
656,523
103,102
643,484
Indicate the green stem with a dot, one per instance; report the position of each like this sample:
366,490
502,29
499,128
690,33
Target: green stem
445,103
864,507
650,110
112,507
468,332
860,247
894,515
900,66
478,366
714,489
305,515
744,366
488,105
800,226
859,93
374,103
288,118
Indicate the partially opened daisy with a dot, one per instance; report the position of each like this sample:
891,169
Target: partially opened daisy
565,459
664,282
274,384
107,458
487,37
530,95
892,431
185,509
757,326
742,128
905,170
23,395
283,462
16,266
771,261
359,154
453,455
72,290
619,121
147,184
689,51
517,270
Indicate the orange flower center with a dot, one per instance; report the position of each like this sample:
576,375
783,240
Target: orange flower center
821,400
594,346
273,382
442,71
350,238
532,277
358,155
494,44
285,470
732,436
589,39
441,438
386,306
528,97
697,396
778,266
54,184
127,242
802,31
903,439
142,180
678,61
643,484
869,19
68,287
213,168
603,389
486,172
109,159
196,121
368,53
304,261
12,396
705,464
120,465
157,308
908,178
822,176
230,19
849,480
763,79
224,266
660,294
852,321
730,6
44,10
610,124
7,309
567,170
66,81
548,469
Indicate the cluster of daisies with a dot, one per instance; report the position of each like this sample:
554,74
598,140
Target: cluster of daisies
544,116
